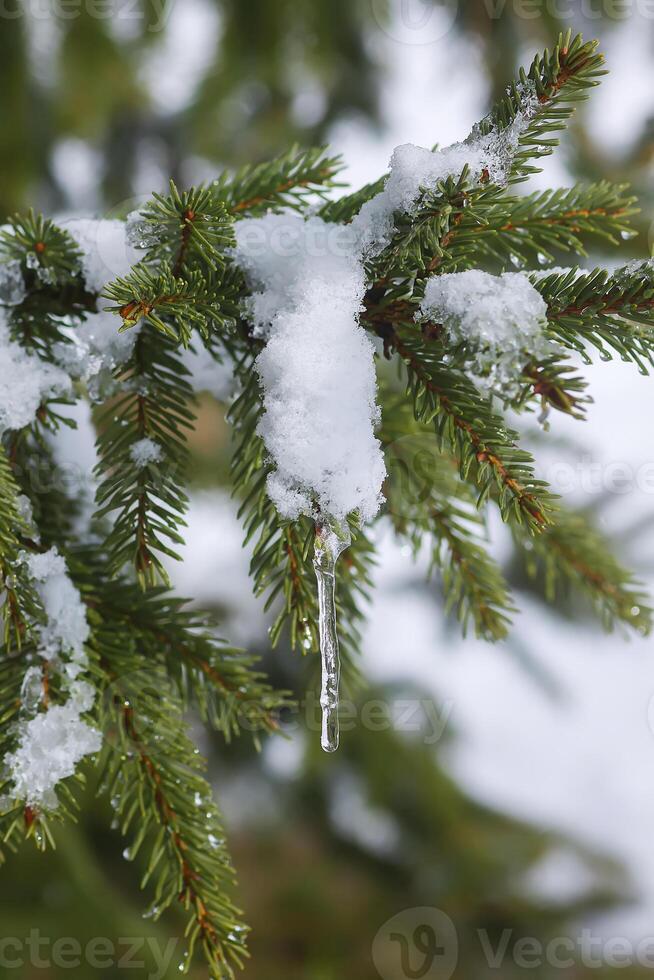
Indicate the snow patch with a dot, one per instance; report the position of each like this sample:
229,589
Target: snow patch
499,320
25,382
52,741
145,451
317,369
106,253
50,747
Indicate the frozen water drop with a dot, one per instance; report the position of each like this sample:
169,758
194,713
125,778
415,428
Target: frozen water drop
141,233
12,286
331,540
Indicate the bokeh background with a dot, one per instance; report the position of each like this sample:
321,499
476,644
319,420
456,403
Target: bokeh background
515,790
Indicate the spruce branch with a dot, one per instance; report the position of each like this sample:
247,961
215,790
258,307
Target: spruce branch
559,80
604,311
545,96
573,554
21,605
285,182
48,255
164,805
144,496
485,448
172,305
501,229
483,445
185,229
429,503
221,682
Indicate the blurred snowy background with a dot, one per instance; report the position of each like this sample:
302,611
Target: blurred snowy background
533,809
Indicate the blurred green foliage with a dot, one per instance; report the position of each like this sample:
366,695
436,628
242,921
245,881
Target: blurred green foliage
279,72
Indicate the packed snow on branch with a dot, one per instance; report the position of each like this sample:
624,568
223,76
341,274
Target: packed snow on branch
498,321
66,629
25,382
415,170
53,741
144,452
96,346
51,746
308,282
106,251
317,368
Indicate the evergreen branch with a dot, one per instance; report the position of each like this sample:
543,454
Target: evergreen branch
554,82
505,229
609,312
427,502
20,821
164,804
17,822
558,80
552,381
285,182
143,493
483,445
343,209
220,681
48,255
172,305
21,605
572,553
185,229
557,386
485,449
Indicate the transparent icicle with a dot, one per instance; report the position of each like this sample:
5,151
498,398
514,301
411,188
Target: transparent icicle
331,540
